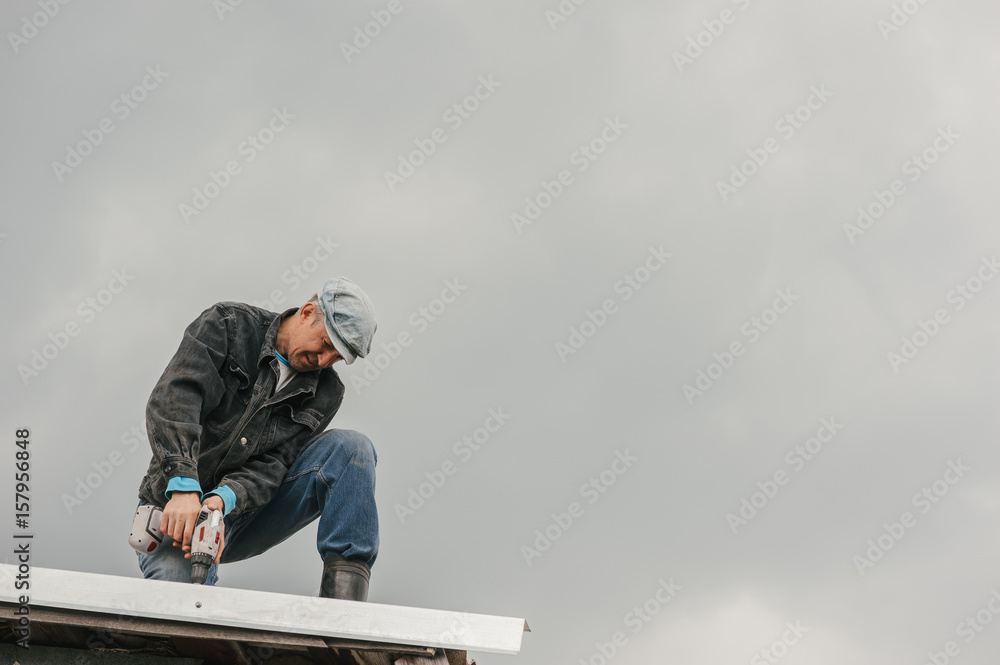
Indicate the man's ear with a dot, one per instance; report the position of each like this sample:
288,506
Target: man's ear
311,314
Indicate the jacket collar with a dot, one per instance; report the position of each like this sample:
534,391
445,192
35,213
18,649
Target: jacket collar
310,379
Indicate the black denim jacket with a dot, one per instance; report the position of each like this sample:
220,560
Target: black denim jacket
211,416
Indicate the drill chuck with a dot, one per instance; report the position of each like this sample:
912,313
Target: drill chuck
200,565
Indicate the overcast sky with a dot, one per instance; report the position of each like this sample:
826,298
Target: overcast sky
746,248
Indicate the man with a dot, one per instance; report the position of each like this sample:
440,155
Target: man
237,423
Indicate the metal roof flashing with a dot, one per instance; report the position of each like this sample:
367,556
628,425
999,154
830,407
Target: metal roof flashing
305,624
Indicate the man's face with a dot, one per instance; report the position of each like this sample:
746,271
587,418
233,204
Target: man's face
309,347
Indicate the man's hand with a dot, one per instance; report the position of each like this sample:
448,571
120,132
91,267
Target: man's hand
180,515
214,502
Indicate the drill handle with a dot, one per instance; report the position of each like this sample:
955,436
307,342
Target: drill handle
146,535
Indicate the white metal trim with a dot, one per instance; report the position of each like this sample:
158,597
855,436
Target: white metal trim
244,608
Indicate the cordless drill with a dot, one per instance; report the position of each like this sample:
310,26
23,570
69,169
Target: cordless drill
146,537
205,543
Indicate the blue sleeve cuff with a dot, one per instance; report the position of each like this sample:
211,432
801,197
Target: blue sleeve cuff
183,484
228,498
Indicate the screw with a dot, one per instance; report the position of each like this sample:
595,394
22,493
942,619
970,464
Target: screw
198,604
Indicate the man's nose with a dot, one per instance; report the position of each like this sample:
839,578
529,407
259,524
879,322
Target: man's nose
327,358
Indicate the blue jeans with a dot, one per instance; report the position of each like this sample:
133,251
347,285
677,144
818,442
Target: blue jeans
333,479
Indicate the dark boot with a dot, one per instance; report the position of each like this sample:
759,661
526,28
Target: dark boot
346,579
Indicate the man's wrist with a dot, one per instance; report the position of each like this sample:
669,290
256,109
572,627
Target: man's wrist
183,484
227,496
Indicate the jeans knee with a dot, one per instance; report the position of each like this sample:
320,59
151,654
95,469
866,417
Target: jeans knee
352,445
171,566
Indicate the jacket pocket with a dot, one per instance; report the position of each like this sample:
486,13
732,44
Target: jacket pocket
237,381
307,418
286,425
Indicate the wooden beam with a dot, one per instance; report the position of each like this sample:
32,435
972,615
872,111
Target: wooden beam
214,652
439,659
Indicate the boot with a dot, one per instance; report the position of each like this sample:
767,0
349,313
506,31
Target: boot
346,579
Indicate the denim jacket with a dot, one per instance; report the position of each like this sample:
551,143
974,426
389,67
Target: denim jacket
212,416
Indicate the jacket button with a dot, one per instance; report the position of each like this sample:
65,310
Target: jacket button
243,441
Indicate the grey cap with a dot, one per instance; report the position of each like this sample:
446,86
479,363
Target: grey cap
349,317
